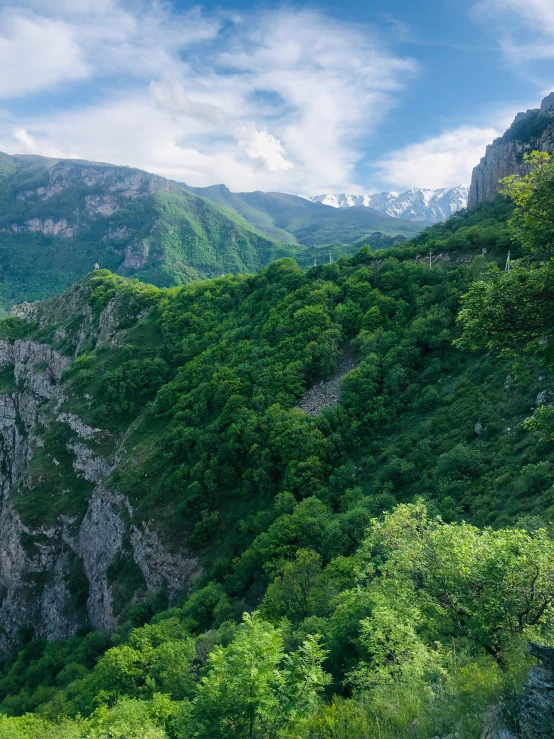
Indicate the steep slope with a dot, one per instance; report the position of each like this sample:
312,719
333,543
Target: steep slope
533,130
142,428
417,204
57,218
291,218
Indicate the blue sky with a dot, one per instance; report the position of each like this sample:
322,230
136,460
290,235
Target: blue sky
297,97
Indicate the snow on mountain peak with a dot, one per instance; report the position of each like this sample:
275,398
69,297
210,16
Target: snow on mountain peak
417,204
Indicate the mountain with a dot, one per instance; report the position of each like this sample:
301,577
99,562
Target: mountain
141,427
298,220
225,446
58,218
530,131
417,204
313,449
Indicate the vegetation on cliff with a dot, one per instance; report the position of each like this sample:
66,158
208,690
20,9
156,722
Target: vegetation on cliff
394,553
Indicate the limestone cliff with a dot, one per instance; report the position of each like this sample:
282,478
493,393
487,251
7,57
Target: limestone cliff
533,130
62,522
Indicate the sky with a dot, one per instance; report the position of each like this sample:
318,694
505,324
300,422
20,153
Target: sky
302,97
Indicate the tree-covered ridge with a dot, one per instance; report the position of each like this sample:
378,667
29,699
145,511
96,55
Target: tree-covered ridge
59,218
375,617
290,218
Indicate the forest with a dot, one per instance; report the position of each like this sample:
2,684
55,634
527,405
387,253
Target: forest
374,571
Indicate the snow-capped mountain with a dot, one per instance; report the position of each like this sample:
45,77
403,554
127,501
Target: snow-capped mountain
417,204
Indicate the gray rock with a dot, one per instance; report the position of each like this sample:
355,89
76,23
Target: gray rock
537,715
34,563
327,394
542,397
504,157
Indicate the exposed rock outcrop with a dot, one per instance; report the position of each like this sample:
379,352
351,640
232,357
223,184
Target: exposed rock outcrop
46,226
136,255
40,561
533,130
537,720
327,394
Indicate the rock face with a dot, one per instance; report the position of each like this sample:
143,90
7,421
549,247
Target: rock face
48,227
537,718
55,567
326,394
533,130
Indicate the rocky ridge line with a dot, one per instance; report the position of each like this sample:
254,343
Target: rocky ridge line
530,131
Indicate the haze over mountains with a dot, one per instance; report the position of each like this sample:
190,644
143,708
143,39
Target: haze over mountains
416,204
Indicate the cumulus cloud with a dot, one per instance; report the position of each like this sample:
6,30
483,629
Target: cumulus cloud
37,53
276,99
31,146
442,161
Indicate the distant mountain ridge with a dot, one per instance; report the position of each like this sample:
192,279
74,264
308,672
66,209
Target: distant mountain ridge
59,218
290,218
418,204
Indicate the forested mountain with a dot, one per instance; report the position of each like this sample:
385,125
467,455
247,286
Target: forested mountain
59,218
291,218
357,457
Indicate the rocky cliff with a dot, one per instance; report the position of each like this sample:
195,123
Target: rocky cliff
530,131
68,536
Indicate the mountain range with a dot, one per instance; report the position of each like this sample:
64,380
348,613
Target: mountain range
60,217
291,503
418,204
290,218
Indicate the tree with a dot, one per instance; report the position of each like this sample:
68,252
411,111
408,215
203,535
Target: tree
513,311
252,689
289,593
483,585
532,225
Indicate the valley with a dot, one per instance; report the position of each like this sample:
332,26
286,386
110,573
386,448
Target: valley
249,493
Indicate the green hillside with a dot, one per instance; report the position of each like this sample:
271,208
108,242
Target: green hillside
293,219
57,219
390,547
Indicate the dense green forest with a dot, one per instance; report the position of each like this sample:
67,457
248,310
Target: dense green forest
371,571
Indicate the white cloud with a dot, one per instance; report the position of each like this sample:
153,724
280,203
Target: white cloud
442,161
31,146
37,53
277,99
262,146
525,27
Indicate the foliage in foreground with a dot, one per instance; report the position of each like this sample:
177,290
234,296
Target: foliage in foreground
430,634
